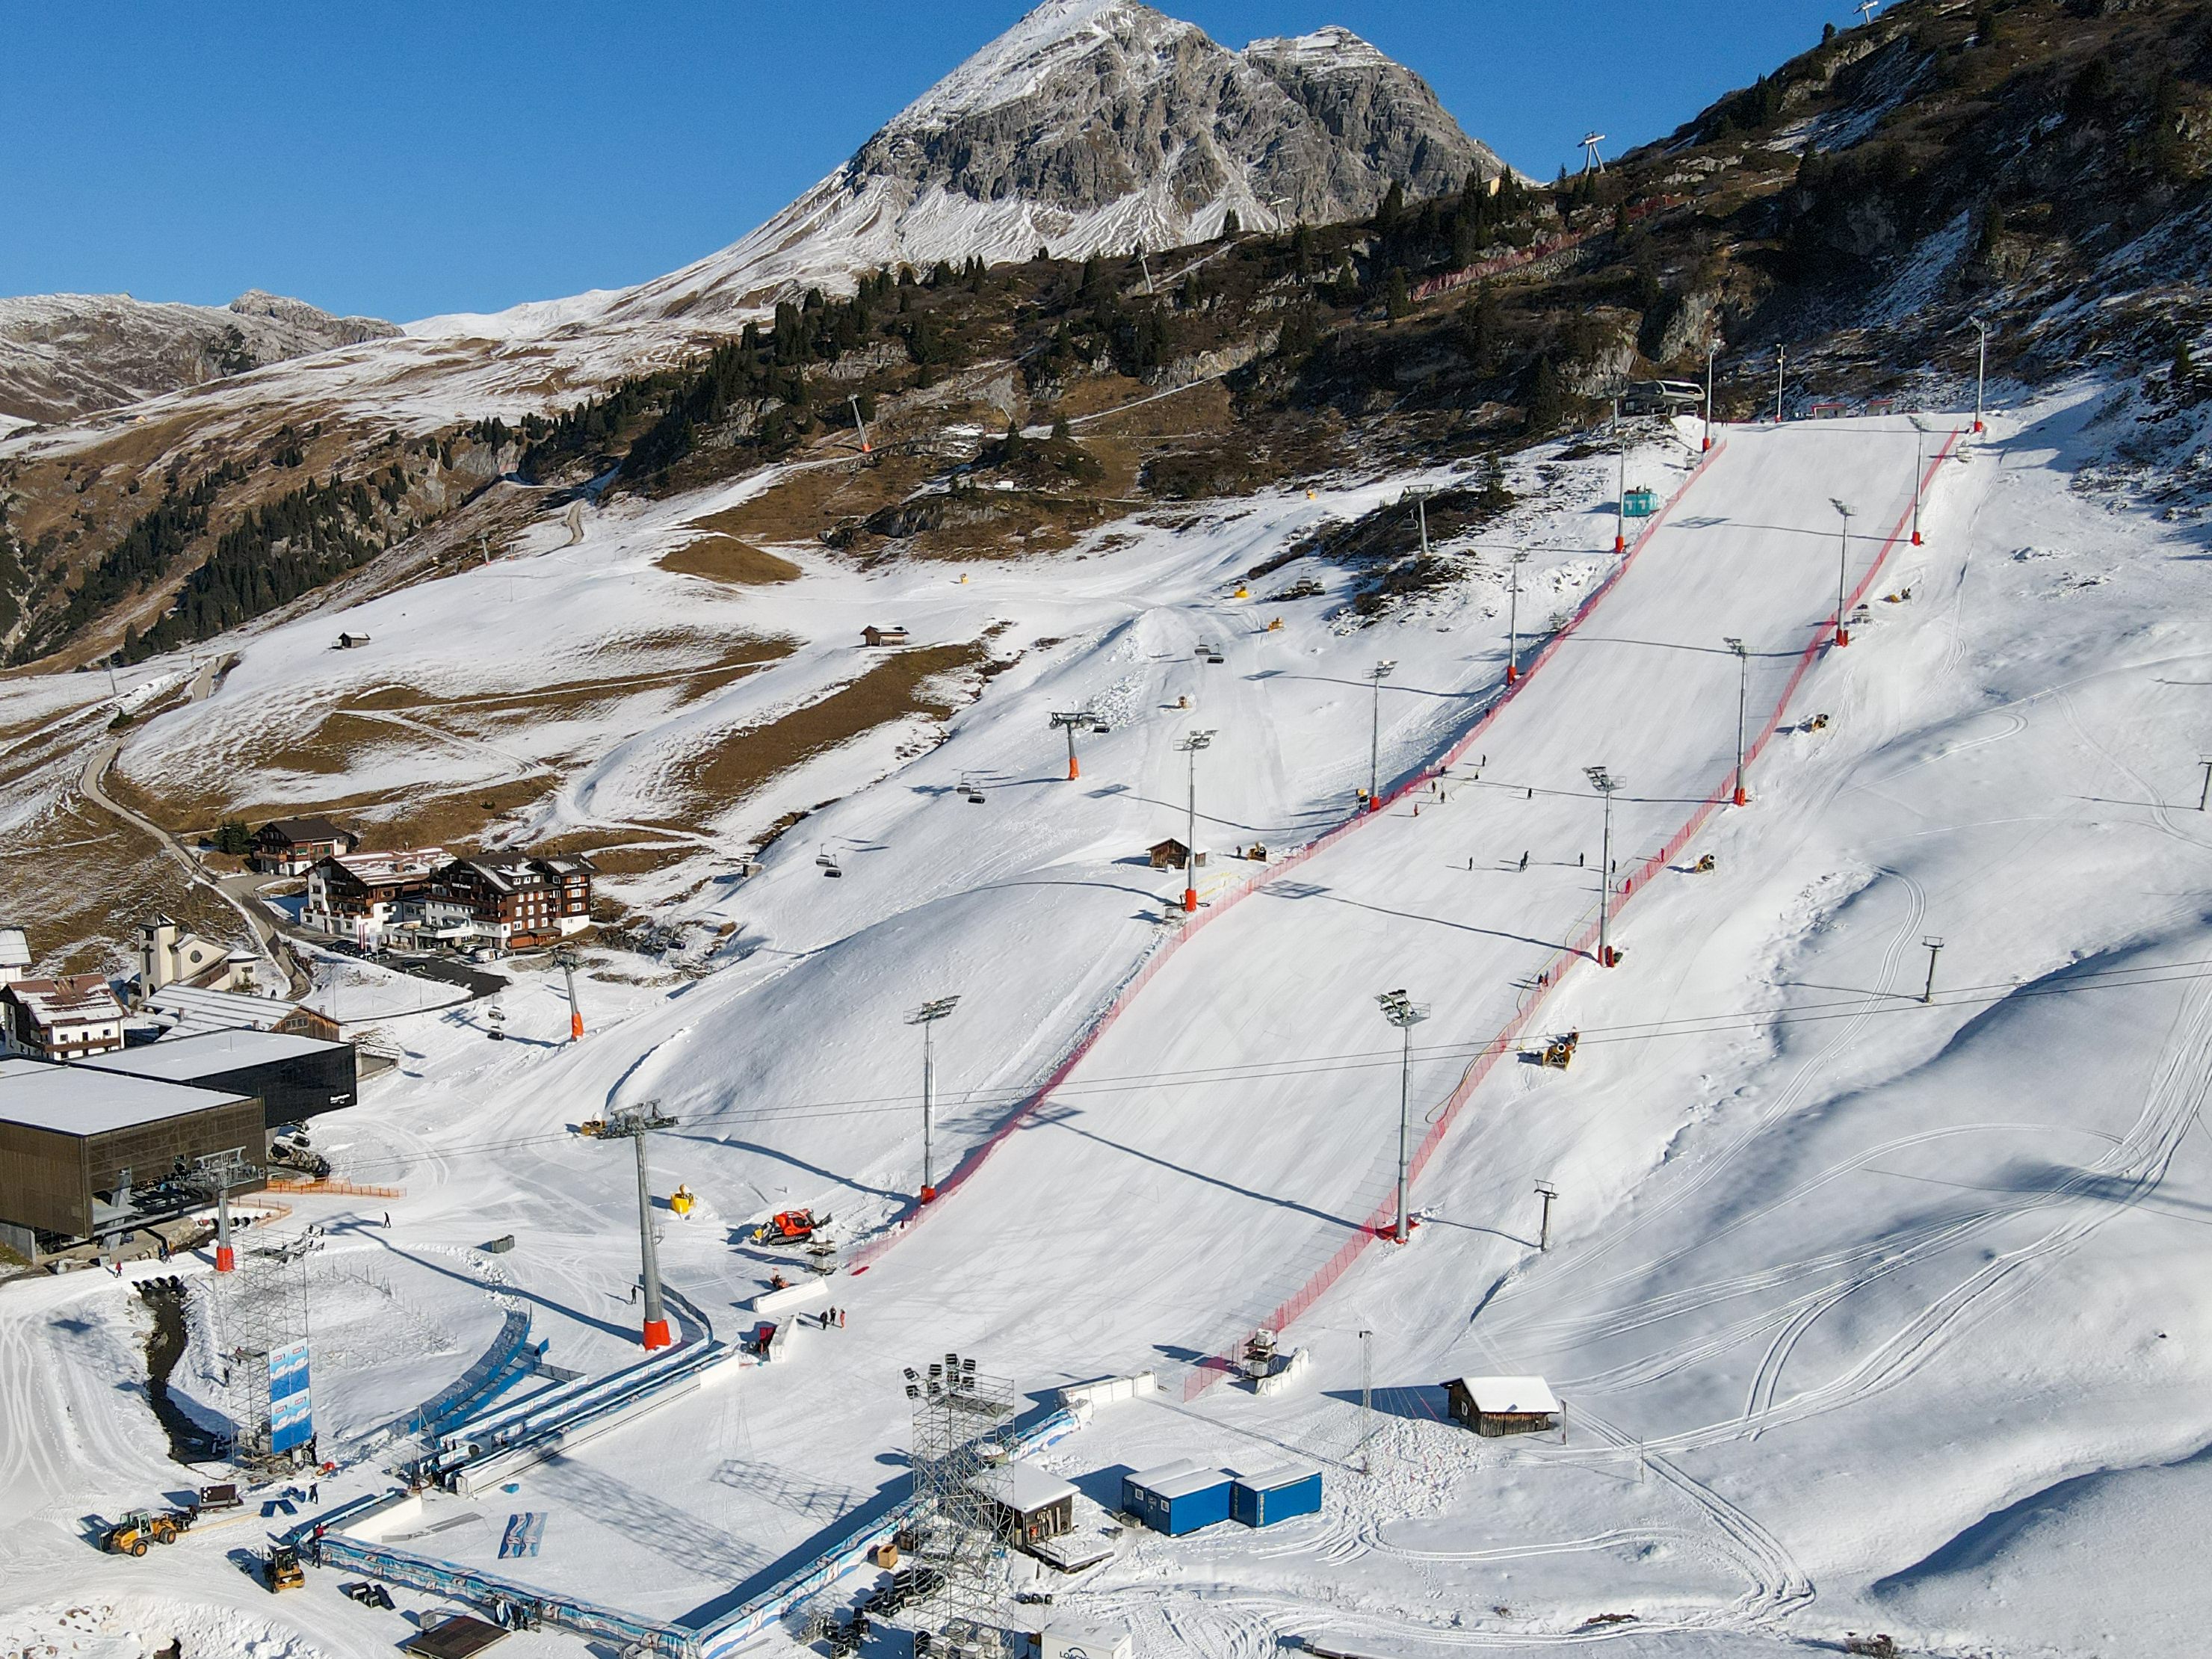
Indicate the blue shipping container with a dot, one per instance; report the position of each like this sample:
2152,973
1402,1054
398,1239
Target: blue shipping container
1178,1498
1276,1494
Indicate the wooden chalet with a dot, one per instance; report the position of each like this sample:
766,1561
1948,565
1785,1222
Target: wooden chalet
1171,854
1495,1406
872,635
292,847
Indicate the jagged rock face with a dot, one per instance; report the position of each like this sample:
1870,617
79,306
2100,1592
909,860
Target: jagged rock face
1094,126
1084,104
63,356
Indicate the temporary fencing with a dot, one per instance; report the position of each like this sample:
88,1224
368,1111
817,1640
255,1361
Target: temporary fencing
1215,1368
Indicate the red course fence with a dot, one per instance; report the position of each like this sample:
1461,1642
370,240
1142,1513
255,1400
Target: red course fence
1165,949
1213,1369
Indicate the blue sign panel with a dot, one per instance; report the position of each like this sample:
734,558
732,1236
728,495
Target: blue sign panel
291,1420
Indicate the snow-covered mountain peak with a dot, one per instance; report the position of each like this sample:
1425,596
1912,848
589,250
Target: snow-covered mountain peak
1018,63
1329,47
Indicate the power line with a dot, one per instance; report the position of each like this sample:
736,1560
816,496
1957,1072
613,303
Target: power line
1719,1024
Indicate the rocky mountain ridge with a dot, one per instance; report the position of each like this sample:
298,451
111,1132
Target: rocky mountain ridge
65,356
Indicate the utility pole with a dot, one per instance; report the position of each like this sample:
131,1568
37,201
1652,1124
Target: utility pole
1147,265
1780,356
2205,794
1742,707
1513,620
1843,571
926,1017
1981,371
1919,470
1605,784
860,424
1933,947
1377,675
633,1126
1068,723
1547,1192
568,961
1404,1013
1191,745
1421,506
1621,495
1711,352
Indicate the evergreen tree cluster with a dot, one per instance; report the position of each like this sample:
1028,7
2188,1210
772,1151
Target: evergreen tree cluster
148,549
278,552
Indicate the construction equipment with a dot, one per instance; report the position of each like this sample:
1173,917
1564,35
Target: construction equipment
1559,1052
592,1127
134,1531
281,1571
296,1155
681,1201
789,1227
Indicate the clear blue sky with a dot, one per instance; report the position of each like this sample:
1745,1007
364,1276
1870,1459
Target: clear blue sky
404,158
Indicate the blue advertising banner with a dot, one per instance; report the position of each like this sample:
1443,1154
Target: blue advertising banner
291,1418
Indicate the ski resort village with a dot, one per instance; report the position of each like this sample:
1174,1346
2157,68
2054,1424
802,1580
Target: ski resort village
1192,876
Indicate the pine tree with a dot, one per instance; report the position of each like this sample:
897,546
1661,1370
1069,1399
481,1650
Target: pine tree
1398,298
1393,209
1546,405
1231,225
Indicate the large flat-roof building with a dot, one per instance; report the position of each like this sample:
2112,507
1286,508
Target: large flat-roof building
293,1077
86,1153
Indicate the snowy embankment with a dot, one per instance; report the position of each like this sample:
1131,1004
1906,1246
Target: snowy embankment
1867,1310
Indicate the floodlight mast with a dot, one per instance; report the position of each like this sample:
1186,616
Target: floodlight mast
1981,371
1191,747
1711,352
1781,357
1404,1013
926,1017
860,424
1842,570
1605,784
1513,620
1742,707
567,959
1919,470
1621,495
1377,675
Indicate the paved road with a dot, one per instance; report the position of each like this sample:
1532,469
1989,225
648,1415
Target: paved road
91,783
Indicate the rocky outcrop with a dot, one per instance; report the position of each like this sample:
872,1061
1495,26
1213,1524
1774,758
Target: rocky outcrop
63,356
1098,126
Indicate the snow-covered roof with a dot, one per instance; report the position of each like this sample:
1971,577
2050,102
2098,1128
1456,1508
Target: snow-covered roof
79,1100
1511,1395
195,1010
1190,1480
1022,1486
1150,1479
71,999
1276,1476
15,948
386,865
208,1053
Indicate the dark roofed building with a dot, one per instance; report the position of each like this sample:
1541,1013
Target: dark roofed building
294,1078
292,847
519,900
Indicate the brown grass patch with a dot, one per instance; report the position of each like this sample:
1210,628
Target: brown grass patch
727,559
891,691
806,504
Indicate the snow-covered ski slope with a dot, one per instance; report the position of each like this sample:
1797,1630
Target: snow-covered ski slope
1868,1313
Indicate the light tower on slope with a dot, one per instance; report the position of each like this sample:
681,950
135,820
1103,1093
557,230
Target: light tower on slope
1193,747
1842,569
1513,619
1375,676
1404,1013
1919,470
926,1017
1606,785
1742,707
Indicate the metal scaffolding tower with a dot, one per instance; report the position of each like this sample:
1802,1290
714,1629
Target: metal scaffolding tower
259,1322
961,1423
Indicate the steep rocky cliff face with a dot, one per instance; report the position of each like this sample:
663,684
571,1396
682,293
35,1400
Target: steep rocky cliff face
64,355
1098,126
